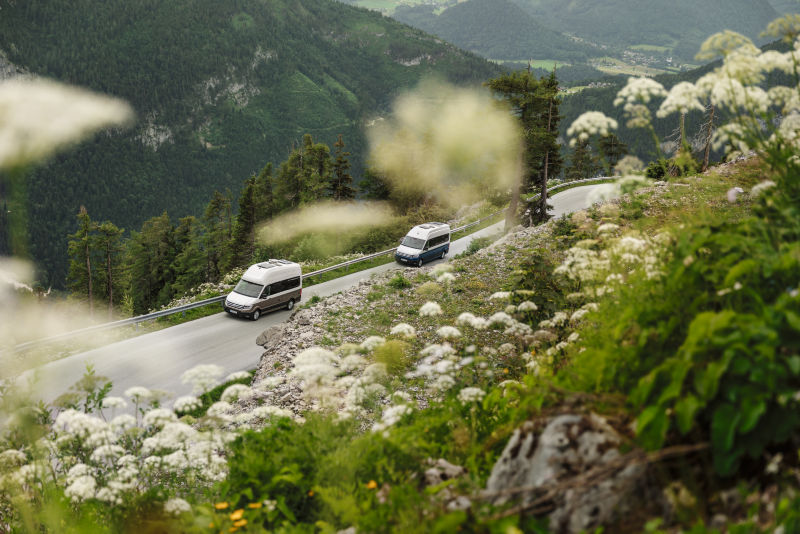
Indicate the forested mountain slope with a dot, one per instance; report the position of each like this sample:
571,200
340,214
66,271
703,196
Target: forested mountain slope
678,24
497,29
638,140
220,89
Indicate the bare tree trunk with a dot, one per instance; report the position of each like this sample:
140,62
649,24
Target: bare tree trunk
110,284
89,276
708,138
511,214
546,163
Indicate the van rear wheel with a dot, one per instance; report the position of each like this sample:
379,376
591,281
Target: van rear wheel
290,304
256,315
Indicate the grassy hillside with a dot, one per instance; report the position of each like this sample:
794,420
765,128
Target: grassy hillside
220,89
680,24
497,29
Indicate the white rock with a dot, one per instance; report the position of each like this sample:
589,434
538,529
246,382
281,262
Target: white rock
568,446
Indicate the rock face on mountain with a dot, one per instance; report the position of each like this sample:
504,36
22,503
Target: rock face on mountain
9,71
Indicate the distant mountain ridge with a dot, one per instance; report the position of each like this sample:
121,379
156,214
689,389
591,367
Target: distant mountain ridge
497,29
219,89
678,24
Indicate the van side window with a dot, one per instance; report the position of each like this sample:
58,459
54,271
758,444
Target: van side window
293,283
265,292
436,241
284,285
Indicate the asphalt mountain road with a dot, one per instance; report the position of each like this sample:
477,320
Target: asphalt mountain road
157,360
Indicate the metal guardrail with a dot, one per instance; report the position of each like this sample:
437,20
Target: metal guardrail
213,300
569,184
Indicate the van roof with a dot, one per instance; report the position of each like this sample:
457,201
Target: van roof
431,225
266,271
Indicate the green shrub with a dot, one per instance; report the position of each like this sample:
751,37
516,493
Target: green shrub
315,247
430,290
395,355
376,293
476,244
400,282
713,348
657,170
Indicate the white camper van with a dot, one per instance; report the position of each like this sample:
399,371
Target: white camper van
424,242
265,287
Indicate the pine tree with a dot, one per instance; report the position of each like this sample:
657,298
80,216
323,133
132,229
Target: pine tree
546,155
611,150
81,248
151,257
218,225
340,188
242,246
373,185
583,163
108,243
191,265
304,177
535,104
264,201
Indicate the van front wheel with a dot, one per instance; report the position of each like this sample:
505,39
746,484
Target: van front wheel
256,315
443,253
290,304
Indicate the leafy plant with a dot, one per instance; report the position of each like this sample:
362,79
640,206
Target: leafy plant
400,282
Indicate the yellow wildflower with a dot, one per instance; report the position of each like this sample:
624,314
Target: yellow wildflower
235,516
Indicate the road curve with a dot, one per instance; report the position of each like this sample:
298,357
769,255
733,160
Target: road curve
157,360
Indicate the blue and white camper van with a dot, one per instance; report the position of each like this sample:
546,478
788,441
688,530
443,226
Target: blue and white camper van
423,243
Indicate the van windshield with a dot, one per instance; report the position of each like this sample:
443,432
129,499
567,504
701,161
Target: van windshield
413,242
248,289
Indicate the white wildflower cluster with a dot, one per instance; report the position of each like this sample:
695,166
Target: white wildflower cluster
590,123
470,395
441,365
202,378
593,268
640,90
736,87
321,374
405,330
513,327
430,309
392,416
443,274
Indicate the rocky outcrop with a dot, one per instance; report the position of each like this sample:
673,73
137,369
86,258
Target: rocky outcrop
9,71
569,446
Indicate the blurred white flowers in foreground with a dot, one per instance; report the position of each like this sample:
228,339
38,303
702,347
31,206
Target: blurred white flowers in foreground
39,117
